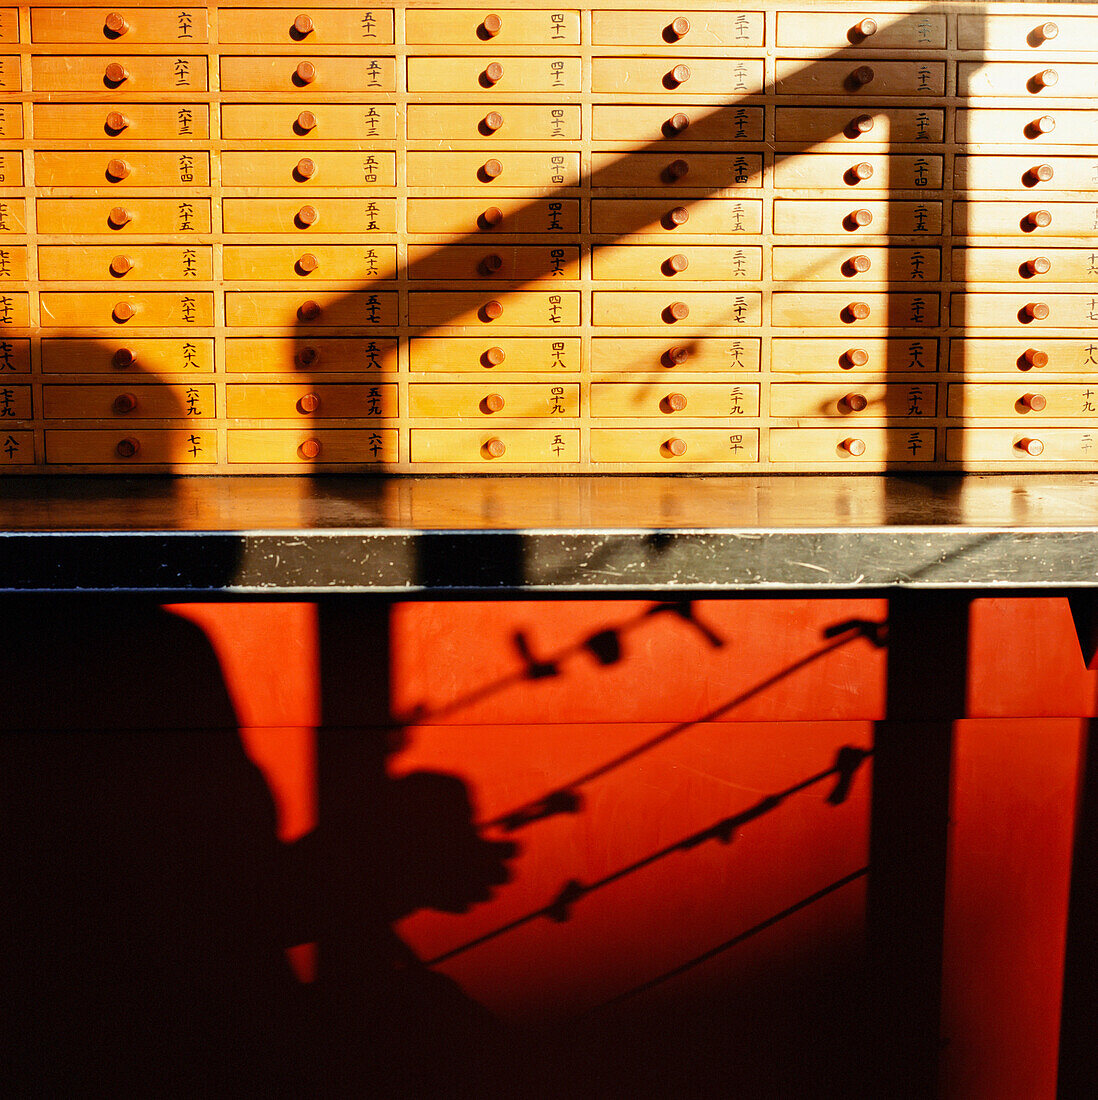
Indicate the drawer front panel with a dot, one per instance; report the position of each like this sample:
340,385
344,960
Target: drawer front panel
316,308
509,75
1013,310
298,168
676,171
134,447
1025,78
128,356
135,264
828,31
678,75
493,215
493,123
495,354
816,310
156,26
680,402
11,120
867,218
1026,32
97,309
686,264
122,402
312,355
995,173
837,447
559,27
305,215
13,216
856,266
847,125
482,263
684,308
668,447
660,28
15,357
122,169
981,355
1016,447
319,74
274,401
1039,401
860,79
502,446
310,121
668,357
11,169
866,401
861,172
855,355
313,447
1030,266
120,122
15,402
363,27
123,216
13,263
448,400
622,217
493,169
1024,128
1036,219
675,123
527,308
309,264
121,74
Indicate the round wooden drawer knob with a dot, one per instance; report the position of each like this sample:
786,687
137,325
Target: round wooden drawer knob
860,264
118,169
493,120
309,449
1046,78
676,402
491,264
865,28
308,215
1046,31
862,76
495,448
492,169
308,403
305,73
1034,401
677,263
855,357
305,121
678,311
123,312
492,310
1032,447
1041,172
1036,311
679,216
494,403
123,359
304,25
679,28
119,216
854,402
1039,265
493,357
675,357
858,310
677,447
116,73
680,74
862,217
116,121
307,357
853,446
677,170
862,171
127,448
678,122
305,168
310,310
1044,125
491,26
307,263
492,217
124,403
1035,358
115,24
121,265
493,74
1040,219
862,124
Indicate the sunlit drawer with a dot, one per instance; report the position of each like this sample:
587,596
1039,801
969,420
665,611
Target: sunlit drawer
863,30
610,122
1033,309
316,121
538,399
501,446
499,354
483,74
678,445
1034,173
1040,356
10,75
865,400
687,76
864,354
316,168
678,399
317,262
685,170
11,120
855,309
1038,446
512,307
727,29
132,447
690,262
9,24
15,402
1056,126
109,309
309,26
1024,32
546,171
496,215
484,27
300,214
498,123
1022,78
129,169
13,218
317,308
698,216
158,26
130,216
870,126
854,445
270,355
844,264
18,449
13,266
482,262
316,74
868,218
868,172
118,355
138,263
292,401
1028,265
11,169
312,447
865,79
704,355
1037,218
1038,400
689,309
138,73
131,121
158,402
15,356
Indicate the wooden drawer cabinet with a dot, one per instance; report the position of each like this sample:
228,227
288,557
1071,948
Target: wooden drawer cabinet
307,26
119,74
313,447
128,402
294,401
667,356
502,446
134,264
123,307
679,401
124,216
676,29
309,355
860,79
121,123
487,28
139,25
863,172
676,123
494,355
122,169
309,75
311,263
683,308
862,29
310,307
490,76
678,75
493,169
140,356
510,399
667,447
862,401
192,446
316,122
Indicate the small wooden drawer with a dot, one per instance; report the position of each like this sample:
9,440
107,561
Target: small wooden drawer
15,403
308,27
866,354
9,24
301,214
17,449
1025,265
708,355
1027,32
503,354
296,168
684,308
13,217
686,76
866,400
312,75
11,120
133,447
316,308
498,446
815,310
15,356
689,263
804,263
1025,78
129,216
854,445
493,122
680,400
129,169
477,26
141,263
1040,447
110,309
1033,126
513,307
484,399
734,30
301,356
673,122
690,217
10,76
1046,355
119,74
13,264
509,75
494,215
313,121
305,446
1039,400
547,172
14,310
11,169
181,26
871,172
482,263
862,30
675,446
871,218
869,126
317,401
125,402
860,78
1037,218
126,121
681,170
1034,173
314,263
1034,309
112,355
